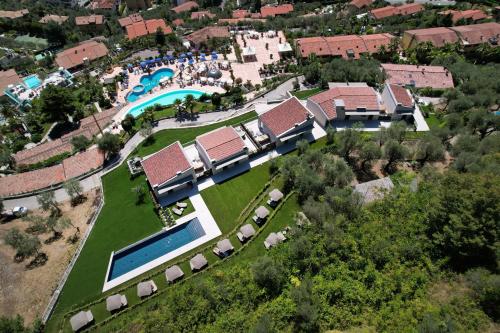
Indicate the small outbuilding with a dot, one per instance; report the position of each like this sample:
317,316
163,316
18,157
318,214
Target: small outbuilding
173,273
249,54
224,248
275,196
246,232
261,214
81,320
274,239
115,302
198,262
146,288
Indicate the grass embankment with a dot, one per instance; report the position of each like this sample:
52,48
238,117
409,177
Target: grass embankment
305,94
120,223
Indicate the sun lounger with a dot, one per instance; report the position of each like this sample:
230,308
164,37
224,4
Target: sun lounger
216,251
255,218
281,237
177,211
267,245
240,237
181,205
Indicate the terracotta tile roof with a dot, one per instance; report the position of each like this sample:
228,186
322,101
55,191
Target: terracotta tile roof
143,28
436,77
256,16
477,33
204,34
272,11
185,7
8,77
360,3
285,116
237,20
165,164
221,143
53,18
178,22
343,46
42,152
131,19
353,97
403,10
13,14
471,14
38,179
103,4
201,15
75,56
89,20
401,95
437,36
240,13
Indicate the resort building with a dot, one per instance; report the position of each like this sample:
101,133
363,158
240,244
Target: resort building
221,149
272,11
399,104
403,10
8,78
185,7
92,23
468,15
203,35
131,19
53,18
147,27
178,22
111,5
347,47
80,55
354,101
240,13
358,4
13,14
475,34
169,170
286,122
435,77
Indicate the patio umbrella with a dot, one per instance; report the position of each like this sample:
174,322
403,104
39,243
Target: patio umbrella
170,57
181,60
158,60
143,64
183,55
214,53
202,58
150,62
189,54
165,58
191,61
214,56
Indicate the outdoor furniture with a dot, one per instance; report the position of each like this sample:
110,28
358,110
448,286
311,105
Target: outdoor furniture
177,211
81,320
274,239
181,204
173,273
198,262
246,232
261,214
146,288
115,302
225,247
274,197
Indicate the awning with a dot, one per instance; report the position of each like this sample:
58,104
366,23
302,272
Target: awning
232,161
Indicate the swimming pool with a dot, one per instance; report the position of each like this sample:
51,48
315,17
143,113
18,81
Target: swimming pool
32,81
165,99
154,247
149,82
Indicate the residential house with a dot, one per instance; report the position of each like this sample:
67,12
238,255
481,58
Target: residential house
80,55
202,15
241,13
435,77
475,34
359,4
203,35
221,149
131,19
286,122
467,15
399,104
178,22
169,170
110,5
403,10
185,7
91,23
439,37
13,14
148,27
272,11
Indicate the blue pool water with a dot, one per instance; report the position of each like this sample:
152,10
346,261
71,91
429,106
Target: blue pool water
32,82
149,82
154,247
164,99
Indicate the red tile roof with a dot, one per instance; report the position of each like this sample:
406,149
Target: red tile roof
221,143
276,10
204,34
477,33
388,11
178,22
201,15
343,45
237,20
401,95
185,7
75,56
165,164
360,3
89,20
13,14
285,116
8,77
436,77
256,16
81,163
124,21
437,36
102,4
472,14
240,13
143,28
352,96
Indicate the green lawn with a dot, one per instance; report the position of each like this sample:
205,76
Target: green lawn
305,94
121,222
169,111
188,210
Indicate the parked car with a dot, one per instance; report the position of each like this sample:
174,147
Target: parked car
18,211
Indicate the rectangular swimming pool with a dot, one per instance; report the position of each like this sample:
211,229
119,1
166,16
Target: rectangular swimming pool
154,247
32,81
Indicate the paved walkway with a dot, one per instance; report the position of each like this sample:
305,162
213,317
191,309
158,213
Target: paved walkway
92,182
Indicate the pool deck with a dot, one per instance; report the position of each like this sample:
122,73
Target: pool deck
208,224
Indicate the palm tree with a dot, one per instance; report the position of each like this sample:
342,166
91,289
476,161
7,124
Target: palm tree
178,106
189,103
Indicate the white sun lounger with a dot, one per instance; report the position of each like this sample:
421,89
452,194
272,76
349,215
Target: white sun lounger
181,205
177,211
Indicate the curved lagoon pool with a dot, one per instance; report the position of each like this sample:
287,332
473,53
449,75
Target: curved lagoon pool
164,99
149,82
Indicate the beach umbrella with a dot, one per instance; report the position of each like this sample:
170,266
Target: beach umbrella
214,57
183,55
143,64
165,58
214,53
150,62
170,57
191,61
189,54
181,60
158,60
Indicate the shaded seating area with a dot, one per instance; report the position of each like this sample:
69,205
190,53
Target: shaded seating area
275,197
146,288
261,214
115,302
224,248
274,239
245,233
81,320
173,273
198,262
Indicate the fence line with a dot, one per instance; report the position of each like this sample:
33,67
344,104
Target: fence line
64,277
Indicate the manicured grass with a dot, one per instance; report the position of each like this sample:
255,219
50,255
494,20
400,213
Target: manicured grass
169,111
188,210
434,121
305,94
121,222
